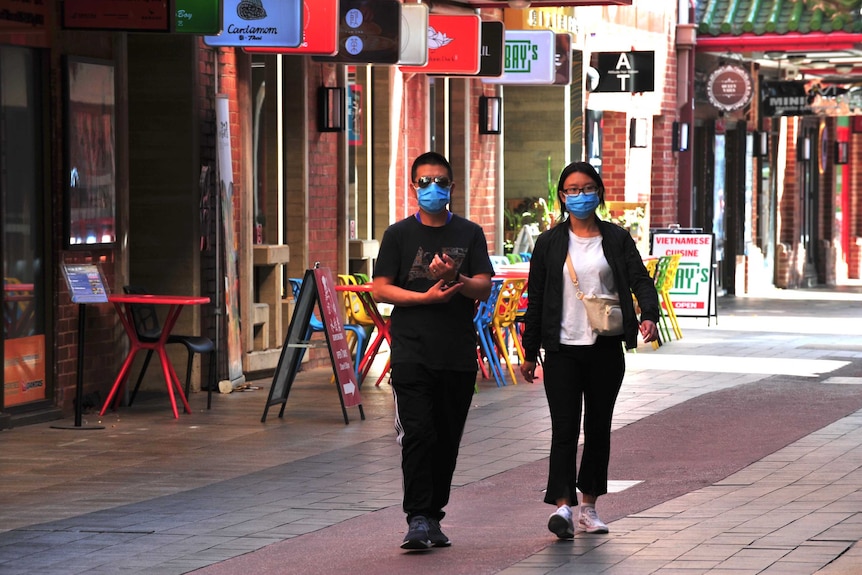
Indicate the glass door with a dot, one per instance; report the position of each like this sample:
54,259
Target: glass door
22,229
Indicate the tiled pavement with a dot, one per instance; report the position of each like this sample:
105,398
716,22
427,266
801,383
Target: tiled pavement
150,494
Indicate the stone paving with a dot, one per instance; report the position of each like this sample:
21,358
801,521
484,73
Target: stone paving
150,494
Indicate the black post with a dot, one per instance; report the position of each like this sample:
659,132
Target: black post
79,383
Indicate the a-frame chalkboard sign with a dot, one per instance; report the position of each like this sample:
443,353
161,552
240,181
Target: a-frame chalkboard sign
317,287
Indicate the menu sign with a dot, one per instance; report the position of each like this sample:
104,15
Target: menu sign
528,58
197,16
369,32
319,32
260,23
149,15
453,45
85,283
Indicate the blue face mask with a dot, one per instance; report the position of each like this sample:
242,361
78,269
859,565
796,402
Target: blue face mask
433,198
582,206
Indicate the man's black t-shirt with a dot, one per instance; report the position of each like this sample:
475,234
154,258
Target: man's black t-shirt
439,336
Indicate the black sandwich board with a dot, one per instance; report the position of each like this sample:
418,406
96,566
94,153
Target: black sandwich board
317,287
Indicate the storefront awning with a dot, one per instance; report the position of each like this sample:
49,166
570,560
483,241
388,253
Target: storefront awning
823,36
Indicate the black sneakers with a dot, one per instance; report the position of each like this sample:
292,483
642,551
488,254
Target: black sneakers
418,536
438,538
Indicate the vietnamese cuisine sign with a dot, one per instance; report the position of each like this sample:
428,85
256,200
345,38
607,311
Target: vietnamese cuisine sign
626,72
319,32
529,58
453,45
692,293
728,87
260,23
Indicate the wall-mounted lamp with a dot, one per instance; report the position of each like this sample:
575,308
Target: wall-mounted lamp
761,144
331,109
804,151
490,114
842,152
638,133
679,138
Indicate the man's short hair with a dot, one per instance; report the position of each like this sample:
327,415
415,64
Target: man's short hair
430,159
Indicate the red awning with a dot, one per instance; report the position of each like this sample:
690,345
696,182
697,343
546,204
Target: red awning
792,42
542,3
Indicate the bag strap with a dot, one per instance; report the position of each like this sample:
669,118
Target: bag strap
574,276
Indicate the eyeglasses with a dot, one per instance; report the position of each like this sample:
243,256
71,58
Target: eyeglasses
588,189
425,181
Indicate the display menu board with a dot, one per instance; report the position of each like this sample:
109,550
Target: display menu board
693,292
85,282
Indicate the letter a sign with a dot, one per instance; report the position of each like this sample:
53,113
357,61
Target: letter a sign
626,72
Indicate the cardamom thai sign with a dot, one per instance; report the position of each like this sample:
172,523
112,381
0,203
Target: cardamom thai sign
260,23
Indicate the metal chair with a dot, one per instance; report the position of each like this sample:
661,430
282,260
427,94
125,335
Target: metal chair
149,329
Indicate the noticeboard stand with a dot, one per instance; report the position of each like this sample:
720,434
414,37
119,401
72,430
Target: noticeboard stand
86,285
317,289
698,253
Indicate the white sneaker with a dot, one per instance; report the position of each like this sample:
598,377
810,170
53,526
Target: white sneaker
560,523
588,520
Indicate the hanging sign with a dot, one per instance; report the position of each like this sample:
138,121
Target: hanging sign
563,60
784,99
197,16
692,292
149,15
414,35
369,32
728,87
626,71
260,23
528,58
453,45
319,32
491,46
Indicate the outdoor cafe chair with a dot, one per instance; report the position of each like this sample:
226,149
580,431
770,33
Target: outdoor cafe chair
148,329
483,321
503,321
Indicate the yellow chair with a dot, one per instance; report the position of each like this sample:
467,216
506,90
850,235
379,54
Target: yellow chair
503,322
355,312
664,292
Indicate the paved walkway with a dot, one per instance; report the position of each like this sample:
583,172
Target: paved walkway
220,492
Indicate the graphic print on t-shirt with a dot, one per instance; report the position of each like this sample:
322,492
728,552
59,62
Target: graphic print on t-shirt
423,259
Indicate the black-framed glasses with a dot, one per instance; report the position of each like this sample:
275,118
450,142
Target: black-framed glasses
425,181
588,189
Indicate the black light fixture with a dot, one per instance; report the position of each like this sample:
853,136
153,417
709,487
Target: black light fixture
679,138
638,133
842,152
330,109
490,115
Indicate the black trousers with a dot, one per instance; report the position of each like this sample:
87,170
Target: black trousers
576,376
430,412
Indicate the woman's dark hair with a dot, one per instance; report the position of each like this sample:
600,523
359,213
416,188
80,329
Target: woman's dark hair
578,168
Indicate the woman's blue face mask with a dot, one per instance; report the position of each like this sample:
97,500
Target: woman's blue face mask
583,205
433,198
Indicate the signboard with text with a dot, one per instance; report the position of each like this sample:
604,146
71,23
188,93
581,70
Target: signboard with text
529,58
143,15
692,294
319,32
197,16
369,32
453,45
85,283
258,23
626,72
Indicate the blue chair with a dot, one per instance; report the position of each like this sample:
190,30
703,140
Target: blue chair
315,325
483,320
497,261
525,256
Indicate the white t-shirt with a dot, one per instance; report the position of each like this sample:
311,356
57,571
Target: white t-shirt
594,277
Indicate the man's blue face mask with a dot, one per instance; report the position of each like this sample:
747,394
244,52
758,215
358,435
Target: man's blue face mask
433,194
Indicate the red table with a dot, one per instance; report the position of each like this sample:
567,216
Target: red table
123,305
512,271
381,333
